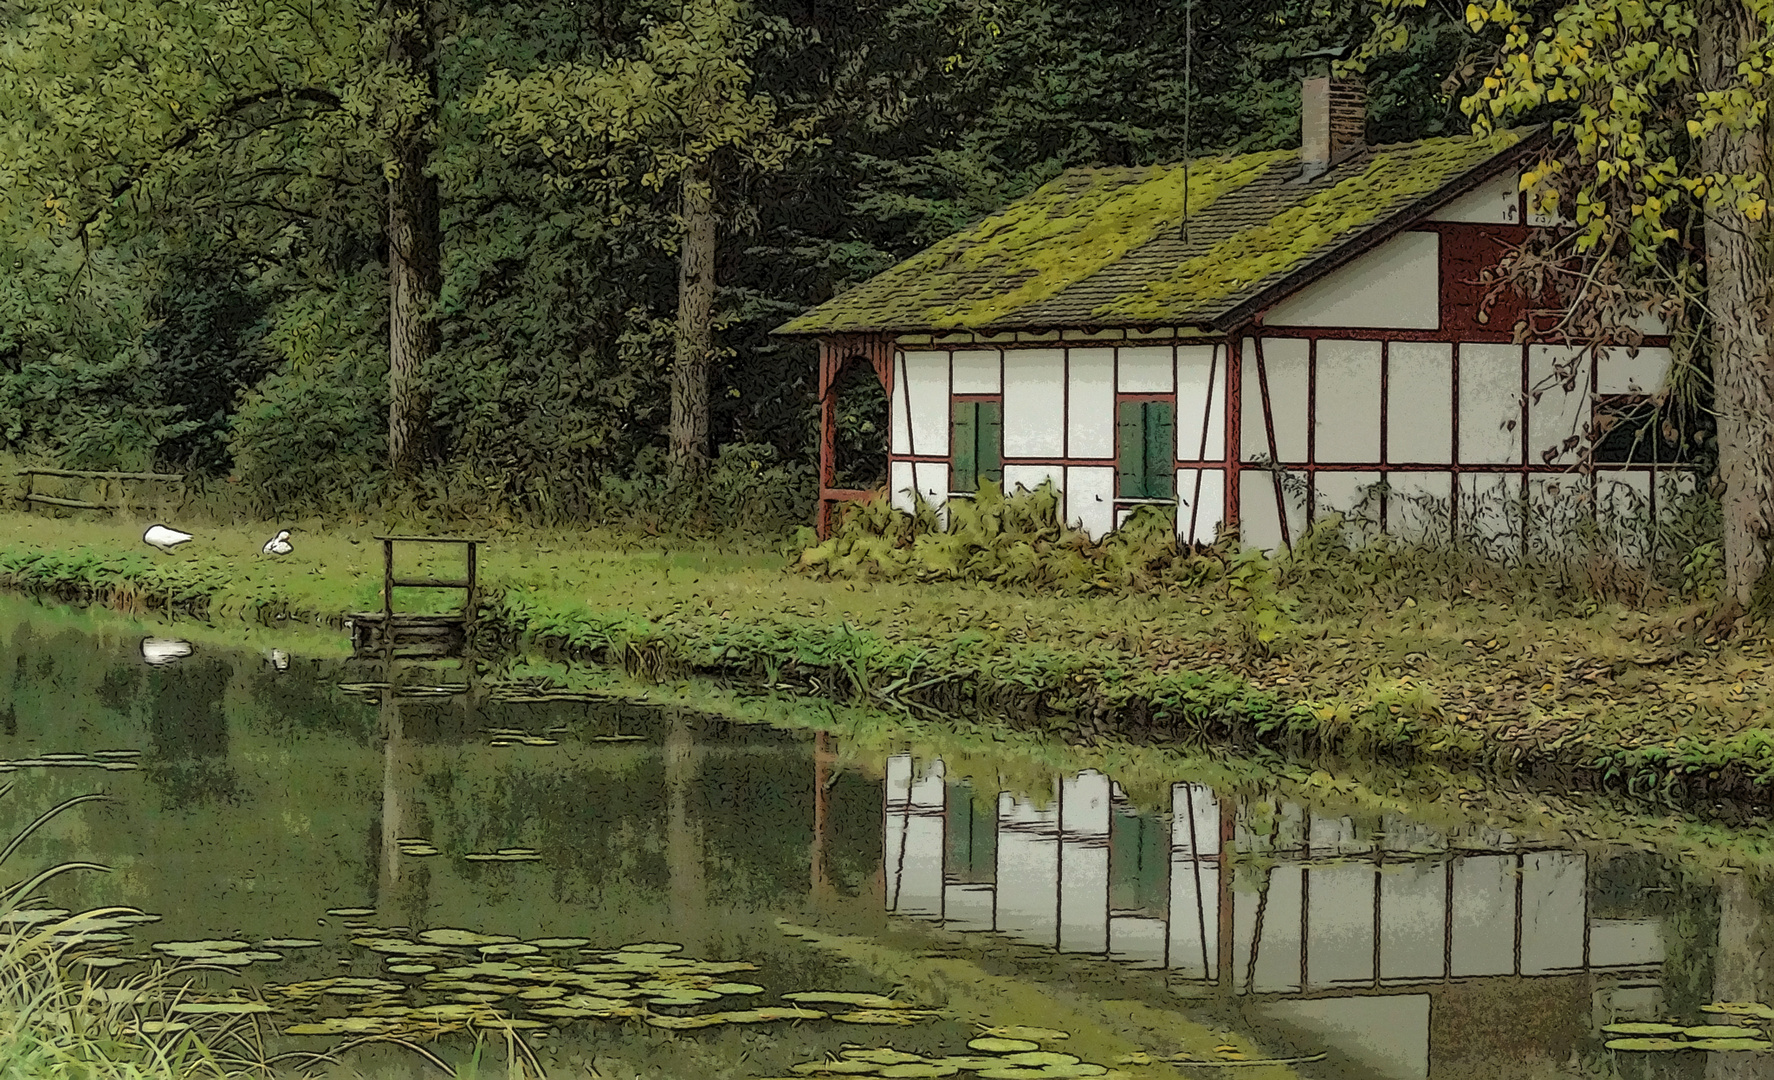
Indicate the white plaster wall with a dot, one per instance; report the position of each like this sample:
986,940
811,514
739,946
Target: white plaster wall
1032,476
1486,499
1496,203
1135,939
1618,373
1558,414
976,371
1552,910
1084,863
933,481
1413,900
1034,403
1340,926
1407,518
1194,821
1194,919
1484,915
1420,402
1201,418
1397,285
1490,404
1090,413
900,484
1620,942
926,377
1348,412
1146,369
1278,953
1090,499
968,907
1027,871
1284,359
1259,525
1207,504
1342,493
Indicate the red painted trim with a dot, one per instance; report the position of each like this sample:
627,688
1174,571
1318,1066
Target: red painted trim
1170,397
1234,428
975,397
1377,333
1274,454
1213,366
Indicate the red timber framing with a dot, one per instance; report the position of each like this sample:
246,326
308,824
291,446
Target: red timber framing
834,354
1465,249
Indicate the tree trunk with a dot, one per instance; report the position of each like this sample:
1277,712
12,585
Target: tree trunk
415,264
1737,287
695,331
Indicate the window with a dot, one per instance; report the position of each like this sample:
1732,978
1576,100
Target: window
1631,431
1147,458
978,445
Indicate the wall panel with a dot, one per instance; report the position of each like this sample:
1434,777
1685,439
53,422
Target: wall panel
1420,402
1090,410
1490,404
1284,360
1201,418
1558,414
1347,413
1396,285
1090,499
1146,369
976,371
1208,505
927,390
1034,403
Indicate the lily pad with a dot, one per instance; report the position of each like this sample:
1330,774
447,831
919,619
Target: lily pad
398,945
1018,1031
922,1070
840,1068
1647,1044
1641,1029
861,1001
222,1007
1731,1044
511,948
1040,1058
992,1045
972,1061
652,947
1719,1031
900,1017
680,1023
734,988
755,1016
561,942
351,912
455,937
1741,1008
289,943
882,1055
411,969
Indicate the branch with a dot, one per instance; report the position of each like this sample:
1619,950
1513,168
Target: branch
190,135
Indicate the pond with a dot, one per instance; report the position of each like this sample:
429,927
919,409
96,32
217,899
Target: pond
655,892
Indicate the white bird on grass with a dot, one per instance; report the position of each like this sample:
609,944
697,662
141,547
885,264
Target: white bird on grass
163,651
279,544
164,538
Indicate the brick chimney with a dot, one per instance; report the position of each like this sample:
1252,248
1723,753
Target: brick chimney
1333,122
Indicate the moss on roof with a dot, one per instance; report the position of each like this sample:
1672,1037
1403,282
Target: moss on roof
1102,247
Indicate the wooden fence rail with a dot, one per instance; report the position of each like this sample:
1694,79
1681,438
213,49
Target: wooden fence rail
30,494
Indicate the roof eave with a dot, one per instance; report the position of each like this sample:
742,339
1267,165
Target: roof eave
1350,250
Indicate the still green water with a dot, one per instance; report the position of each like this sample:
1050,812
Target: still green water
258,801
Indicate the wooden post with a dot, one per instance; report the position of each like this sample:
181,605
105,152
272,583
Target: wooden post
388,590
468,605
828,430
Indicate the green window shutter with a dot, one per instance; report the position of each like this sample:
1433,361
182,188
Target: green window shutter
1161,440
964,469
990,453
1131,418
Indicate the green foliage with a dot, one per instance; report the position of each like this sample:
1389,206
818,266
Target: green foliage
1004,540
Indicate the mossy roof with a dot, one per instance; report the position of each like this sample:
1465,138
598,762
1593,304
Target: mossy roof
1105,247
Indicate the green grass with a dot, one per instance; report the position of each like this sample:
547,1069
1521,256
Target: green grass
1378,651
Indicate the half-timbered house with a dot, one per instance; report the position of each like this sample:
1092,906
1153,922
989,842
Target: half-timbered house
1255,340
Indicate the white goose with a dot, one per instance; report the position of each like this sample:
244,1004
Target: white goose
279,544
163,651
164,538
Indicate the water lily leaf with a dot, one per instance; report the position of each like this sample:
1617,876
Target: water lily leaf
840,1068
199,948
410,969
398,945
652,947
1741,1008
1641,1029
971,1061
1040,1058
221,1007
343,1025
678,1023
1018,1031
882,1055
901,1017
1720,1031
351,912
865,1001
1647,1044
515,948
452,936
1012,1072
1731,1044
104,961
448,1013
734,988
289,943
754,1016
541,993
992,1045
922,1070
561,942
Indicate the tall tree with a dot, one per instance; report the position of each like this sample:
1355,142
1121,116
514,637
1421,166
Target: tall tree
681,110
415,259
1659,111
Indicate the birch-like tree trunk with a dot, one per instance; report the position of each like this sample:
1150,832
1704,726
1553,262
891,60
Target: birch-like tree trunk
415,263
688,458
1737,286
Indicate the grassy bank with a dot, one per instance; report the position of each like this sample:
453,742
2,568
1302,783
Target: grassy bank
1372,654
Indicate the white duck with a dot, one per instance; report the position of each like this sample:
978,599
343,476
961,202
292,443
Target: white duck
163,651
164,538
279,544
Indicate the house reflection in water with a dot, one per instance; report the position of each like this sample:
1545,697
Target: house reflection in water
1387,944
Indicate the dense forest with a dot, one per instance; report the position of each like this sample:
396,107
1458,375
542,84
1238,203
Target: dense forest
198,213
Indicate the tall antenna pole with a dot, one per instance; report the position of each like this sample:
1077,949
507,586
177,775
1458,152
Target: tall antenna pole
1188,102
